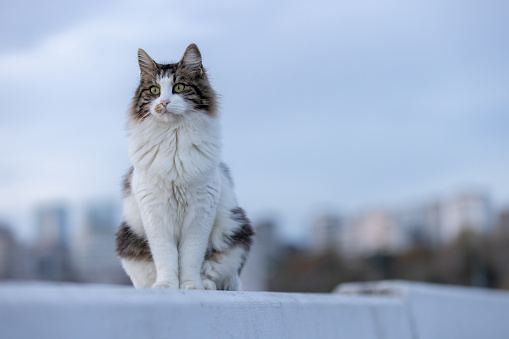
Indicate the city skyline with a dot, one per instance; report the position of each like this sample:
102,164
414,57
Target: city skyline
88,255
77,214
433,224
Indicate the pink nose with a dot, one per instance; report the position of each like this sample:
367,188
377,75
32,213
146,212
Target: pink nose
165,102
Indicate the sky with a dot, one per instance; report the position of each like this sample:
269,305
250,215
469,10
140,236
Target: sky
326,105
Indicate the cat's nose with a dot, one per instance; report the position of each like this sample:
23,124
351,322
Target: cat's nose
165,102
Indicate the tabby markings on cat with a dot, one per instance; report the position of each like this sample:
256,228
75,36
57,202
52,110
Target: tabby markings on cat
183,227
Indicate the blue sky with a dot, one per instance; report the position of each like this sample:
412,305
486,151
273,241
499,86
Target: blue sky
325,104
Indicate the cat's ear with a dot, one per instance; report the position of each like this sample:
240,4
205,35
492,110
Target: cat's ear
147,65
191,60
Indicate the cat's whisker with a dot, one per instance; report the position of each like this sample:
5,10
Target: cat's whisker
145,116
191,122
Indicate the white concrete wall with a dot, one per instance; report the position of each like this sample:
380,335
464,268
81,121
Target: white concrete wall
383,311
440,311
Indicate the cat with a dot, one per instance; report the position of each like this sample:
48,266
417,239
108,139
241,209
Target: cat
183,227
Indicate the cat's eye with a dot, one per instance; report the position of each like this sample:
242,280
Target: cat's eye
178,88
154,90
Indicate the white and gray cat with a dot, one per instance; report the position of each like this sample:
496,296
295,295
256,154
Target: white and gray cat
183,227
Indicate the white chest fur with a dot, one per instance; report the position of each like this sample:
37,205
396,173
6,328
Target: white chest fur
182,153
176,166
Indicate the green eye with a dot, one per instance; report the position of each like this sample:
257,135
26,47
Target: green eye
154,90
178,88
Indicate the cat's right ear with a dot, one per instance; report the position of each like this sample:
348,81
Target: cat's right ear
148,67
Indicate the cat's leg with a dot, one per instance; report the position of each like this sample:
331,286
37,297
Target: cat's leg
193,246
230,243
222,269
163,246
160,231
142,273
131,243
136,259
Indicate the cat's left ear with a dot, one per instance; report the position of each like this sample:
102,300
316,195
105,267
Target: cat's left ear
148,67
192,60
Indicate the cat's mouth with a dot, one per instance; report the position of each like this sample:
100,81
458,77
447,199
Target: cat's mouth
167,112
160,109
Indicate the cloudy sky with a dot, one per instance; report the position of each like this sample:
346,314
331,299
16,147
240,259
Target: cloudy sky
336,105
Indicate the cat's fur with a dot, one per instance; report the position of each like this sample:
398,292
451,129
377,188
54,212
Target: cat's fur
182,225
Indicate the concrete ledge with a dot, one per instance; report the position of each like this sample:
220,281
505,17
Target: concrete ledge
402,311
440,311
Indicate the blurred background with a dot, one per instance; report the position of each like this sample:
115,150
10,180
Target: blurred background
368,140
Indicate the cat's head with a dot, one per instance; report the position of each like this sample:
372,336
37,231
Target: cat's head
172,92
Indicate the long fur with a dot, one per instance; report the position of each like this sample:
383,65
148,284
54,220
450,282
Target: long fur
182,225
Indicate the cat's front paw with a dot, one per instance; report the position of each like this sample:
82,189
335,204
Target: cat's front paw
209,284
208,271
165,285
191,285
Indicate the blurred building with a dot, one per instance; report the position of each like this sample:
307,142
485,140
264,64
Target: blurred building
413,225
8,251
51,249
94,256
466,211
52,222
503,223
327,234
433,224
373,232
420,225
17,260
261,262
441,222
